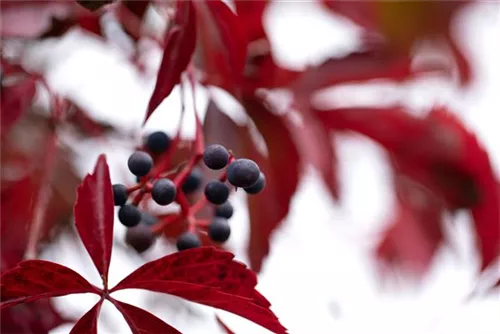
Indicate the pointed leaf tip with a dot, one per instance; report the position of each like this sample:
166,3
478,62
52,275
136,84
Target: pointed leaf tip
94,214
35,279
179,45
87,324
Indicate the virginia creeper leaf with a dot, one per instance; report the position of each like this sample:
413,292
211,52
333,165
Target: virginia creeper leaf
15,100
87,324
359,66
179,46
207,276
439,153
36,317
316,148
415,231
281,167
35,279
250,14
94,216
223,44
141,321
473,174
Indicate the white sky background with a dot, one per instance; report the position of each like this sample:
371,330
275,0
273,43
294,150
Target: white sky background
319,276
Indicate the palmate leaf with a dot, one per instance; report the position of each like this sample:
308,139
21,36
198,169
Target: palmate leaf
438,152
203,275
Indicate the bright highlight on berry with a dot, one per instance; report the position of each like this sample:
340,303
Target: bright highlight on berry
243,173
140,163
216,157
163,191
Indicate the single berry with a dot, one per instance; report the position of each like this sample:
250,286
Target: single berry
188,240
163,191
216,192
158,142
140,163
120,194
219,230
225,210
257,187
129,215
192,182
148,219
140,237
216,157
243,173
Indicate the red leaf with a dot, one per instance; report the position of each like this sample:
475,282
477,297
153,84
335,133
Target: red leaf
223,43
35,279
356,67
415,232
281,167
471,163
207,276
15,100
141,321
179,46
315,145
94,214
250,14
88,323
31,18
439,153
360,12
36,317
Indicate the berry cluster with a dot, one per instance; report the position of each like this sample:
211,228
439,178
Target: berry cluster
143,226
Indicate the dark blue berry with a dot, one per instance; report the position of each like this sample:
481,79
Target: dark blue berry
163,191
243,173
140,237
140,163
158,142
219,230
120,194
224,210
257,187
129,215
216,192
216,157
148,219
192,182
188,240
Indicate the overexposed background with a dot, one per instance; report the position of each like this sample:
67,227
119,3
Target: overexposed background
320,276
